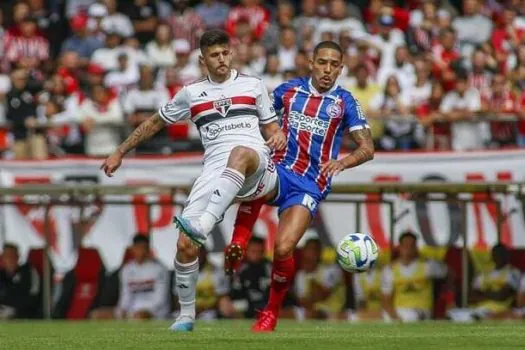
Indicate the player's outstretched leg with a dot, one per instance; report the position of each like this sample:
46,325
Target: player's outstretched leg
242,232
186,275
293,223
243,162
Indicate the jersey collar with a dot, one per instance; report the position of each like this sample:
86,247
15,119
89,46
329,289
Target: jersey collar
314,91
234,74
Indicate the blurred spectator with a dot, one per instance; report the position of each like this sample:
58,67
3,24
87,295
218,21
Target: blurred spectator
319,289
27,48
19,286
364,89
402,69
101,116
406,284
96,13
212,289
5,87
494,292
287,49
251,12
302,63
387,40
187,70
419,92
339,21
284,19
499,105
444,53
271,77
461,106
437,127
140,103
480,75
424,27
22,114
143,16
394,106
116,22
186,24
306,22
249,287
74,7
81,42
144,285
124,78
367,291
213,13
472,28
506,36
107,56
160,51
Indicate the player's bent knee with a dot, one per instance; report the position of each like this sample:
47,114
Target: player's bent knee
284,248
241,154
186,250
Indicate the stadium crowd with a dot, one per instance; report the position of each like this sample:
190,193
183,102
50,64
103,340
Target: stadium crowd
77,75
410,285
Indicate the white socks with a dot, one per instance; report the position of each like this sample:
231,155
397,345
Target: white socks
186,276
228,186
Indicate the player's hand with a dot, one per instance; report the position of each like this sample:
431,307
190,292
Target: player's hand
277,141
112,163
332,168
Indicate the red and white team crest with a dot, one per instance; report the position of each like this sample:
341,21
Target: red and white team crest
334,110
223,105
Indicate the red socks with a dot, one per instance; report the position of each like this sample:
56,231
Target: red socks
246,217
282,276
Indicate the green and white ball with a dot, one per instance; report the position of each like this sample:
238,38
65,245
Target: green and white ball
357,252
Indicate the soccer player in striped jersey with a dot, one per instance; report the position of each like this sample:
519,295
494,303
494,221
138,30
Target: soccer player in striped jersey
230,110
315,114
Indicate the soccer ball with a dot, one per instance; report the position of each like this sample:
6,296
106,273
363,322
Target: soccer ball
357,252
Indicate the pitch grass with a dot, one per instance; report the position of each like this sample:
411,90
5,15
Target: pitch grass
236,335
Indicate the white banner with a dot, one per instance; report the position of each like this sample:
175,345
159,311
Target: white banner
110,227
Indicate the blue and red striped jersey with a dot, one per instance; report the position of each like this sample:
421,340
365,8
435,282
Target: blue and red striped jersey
314,124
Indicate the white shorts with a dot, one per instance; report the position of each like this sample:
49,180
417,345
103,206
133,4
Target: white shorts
258,185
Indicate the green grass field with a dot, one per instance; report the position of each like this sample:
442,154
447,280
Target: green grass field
236,335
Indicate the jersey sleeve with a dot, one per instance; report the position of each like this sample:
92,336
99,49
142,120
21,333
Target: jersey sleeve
354,116
178,108
278,95
265,107
125,298
522,284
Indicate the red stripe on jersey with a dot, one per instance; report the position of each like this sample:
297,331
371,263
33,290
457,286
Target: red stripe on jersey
304,138
287,97
236,100
326,149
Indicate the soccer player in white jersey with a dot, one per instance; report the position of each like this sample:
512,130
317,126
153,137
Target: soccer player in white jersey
230,110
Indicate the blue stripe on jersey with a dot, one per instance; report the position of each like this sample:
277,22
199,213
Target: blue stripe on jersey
293,146
317,143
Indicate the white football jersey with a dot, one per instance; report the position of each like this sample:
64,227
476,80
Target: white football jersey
227,114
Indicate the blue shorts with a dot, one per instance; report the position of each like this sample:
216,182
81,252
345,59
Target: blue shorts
295,189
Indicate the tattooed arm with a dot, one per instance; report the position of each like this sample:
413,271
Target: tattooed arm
363,153
142,133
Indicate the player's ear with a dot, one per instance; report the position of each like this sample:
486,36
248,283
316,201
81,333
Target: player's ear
311,62
201,60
